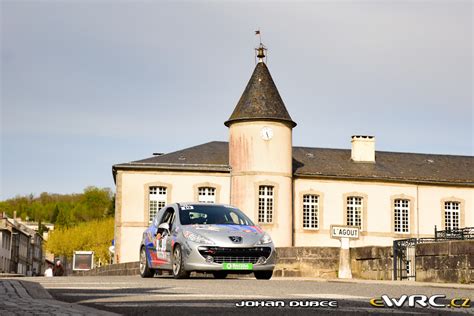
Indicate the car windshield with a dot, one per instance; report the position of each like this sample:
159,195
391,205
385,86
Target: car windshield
212,214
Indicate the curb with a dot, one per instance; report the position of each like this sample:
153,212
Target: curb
35,291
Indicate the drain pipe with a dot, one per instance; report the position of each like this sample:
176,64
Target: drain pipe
292,212
417,213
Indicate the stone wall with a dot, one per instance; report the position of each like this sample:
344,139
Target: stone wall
128,268
321,262
372,263
449,261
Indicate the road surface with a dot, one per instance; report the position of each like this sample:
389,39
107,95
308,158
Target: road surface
162,295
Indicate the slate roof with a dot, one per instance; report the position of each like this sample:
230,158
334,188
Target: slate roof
326,163
260,100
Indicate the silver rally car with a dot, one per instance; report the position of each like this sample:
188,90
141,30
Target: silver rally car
215,238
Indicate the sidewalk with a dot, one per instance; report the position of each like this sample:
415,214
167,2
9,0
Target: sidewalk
18,297
386,282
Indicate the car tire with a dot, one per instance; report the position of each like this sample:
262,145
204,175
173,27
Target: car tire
145,271
263,275
178,264
220,274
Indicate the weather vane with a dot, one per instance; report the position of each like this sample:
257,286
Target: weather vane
257,32
260,51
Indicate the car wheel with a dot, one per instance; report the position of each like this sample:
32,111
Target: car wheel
263,275
178,264
220,274
145,271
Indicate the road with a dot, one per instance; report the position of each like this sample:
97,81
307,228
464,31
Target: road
132,295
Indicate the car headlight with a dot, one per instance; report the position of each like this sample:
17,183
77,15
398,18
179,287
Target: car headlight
197,238
266,239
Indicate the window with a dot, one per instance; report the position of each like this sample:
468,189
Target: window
401,210
451,215
354,211
157,200
168,217
310,211
207,195
265,204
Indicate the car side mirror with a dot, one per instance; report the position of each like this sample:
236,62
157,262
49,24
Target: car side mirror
164,226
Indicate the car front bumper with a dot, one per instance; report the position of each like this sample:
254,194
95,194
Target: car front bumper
195,257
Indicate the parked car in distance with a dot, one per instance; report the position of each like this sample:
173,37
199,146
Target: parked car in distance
214,238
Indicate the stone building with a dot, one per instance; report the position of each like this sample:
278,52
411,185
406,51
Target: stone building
21,249
296,193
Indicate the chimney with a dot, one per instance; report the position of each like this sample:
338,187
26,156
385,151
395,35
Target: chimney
363,148
14,215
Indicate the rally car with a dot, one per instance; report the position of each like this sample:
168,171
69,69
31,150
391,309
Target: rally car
214,238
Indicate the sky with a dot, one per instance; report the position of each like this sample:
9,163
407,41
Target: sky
88,84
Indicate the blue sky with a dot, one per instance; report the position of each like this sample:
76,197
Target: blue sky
87,84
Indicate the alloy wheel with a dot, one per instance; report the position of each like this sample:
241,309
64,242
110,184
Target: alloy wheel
176,261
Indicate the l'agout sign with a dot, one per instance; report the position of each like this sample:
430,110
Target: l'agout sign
340,231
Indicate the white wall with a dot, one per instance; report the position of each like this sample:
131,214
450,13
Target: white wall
378,229
132,208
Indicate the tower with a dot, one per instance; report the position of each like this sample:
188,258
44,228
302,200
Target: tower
260,155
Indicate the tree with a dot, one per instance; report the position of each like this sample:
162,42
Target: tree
93,203
54,217
64,219
95,235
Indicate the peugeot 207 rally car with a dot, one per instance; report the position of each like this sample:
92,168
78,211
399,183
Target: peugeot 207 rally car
214,238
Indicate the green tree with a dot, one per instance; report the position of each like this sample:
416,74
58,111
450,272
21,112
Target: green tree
94,236
64,219
54,217
93,203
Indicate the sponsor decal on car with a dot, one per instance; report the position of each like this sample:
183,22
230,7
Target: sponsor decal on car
236,266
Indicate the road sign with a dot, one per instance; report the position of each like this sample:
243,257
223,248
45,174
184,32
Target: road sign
340,231
344,234
83,260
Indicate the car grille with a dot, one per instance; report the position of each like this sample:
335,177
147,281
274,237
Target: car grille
231,259
243,255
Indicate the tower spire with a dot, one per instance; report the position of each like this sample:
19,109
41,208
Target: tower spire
261,49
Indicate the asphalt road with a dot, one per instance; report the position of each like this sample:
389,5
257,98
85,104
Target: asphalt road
132,295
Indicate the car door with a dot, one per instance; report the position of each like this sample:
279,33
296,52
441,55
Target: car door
163,240
173,223
151,242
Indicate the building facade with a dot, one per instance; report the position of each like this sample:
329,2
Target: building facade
21,249
296,193
5,249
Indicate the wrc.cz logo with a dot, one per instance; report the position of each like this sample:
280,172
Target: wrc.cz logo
420,300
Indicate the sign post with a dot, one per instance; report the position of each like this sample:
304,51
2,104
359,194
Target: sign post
344,234
83,260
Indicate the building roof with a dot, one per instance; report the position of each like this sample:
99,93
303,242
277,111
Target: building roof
209,157
260,100
326,163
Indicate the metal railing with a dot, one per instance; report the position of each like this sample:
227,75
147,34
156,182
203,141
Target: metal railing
404,255
457,233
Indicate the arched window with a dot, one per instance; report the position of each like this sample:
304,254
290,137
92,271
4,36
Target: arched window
265,204
157,197
354,210
401,215
452,215
207,195
310,211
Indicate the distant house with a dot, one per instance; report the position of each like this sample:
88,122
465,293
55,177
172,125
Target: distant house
296,193
22,247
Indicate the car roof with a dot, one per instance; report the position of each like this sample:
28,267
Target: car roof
202,203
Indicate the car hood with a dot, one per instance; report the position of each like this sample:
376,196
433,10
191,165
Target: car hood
220,234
